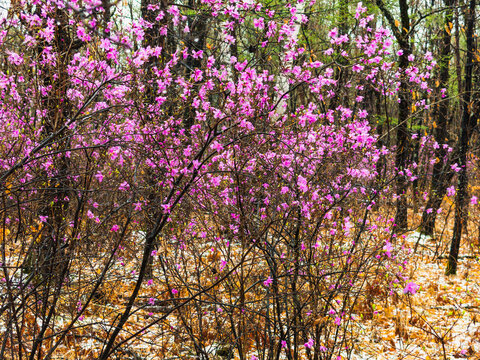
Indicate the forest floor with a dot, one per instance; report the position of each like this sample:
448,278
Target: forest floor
440,321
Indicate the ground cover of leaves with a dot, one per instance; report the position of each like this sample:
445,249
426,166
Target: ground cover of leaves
439,321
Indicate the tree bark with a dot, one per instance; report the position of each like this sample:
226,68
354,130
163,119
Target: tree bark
402,151
401,155
461,215
442,173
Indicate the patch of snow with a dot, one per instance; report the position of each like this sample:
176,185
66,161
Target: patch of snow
417,236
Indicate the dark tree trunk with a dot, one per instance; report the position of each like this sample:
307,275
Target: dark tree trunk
461,215
153,38
442,173
51,256
402,151
401,155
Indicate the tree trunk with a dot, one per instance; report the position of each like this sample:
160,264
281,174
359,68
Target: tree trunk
465,132
401,155
442,173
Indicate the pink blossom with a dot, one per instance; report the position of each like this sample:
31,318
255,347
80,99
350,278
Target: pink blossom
451,191
302,183
124,186
309,344
83,35
357,67
99,176
455,167
259,23
333,33
411,288
14,58
388,249
360,10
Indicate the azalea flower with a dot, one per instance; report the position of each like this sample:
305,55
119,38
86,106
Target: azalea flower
451,191
411,288
309,343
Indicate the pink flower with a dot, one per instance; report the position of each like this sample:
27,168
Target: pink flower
333,33
388,249
455,167
99,176
357,67
259,23
362,114
338,321
451,191
115,228
197,54
14,58
411,288
360,10
302,183
309,343
83,35
43,219
473,200
268,282
174,291
124,186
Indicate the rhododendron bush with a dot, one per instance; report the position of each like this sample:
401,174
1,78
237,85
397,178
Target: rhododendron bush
164,185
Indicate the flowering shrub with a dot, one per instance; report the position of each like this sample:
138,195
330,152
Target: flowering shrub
234,190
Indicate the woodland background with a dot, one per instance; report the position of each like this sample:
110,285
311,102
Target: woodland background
219,179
